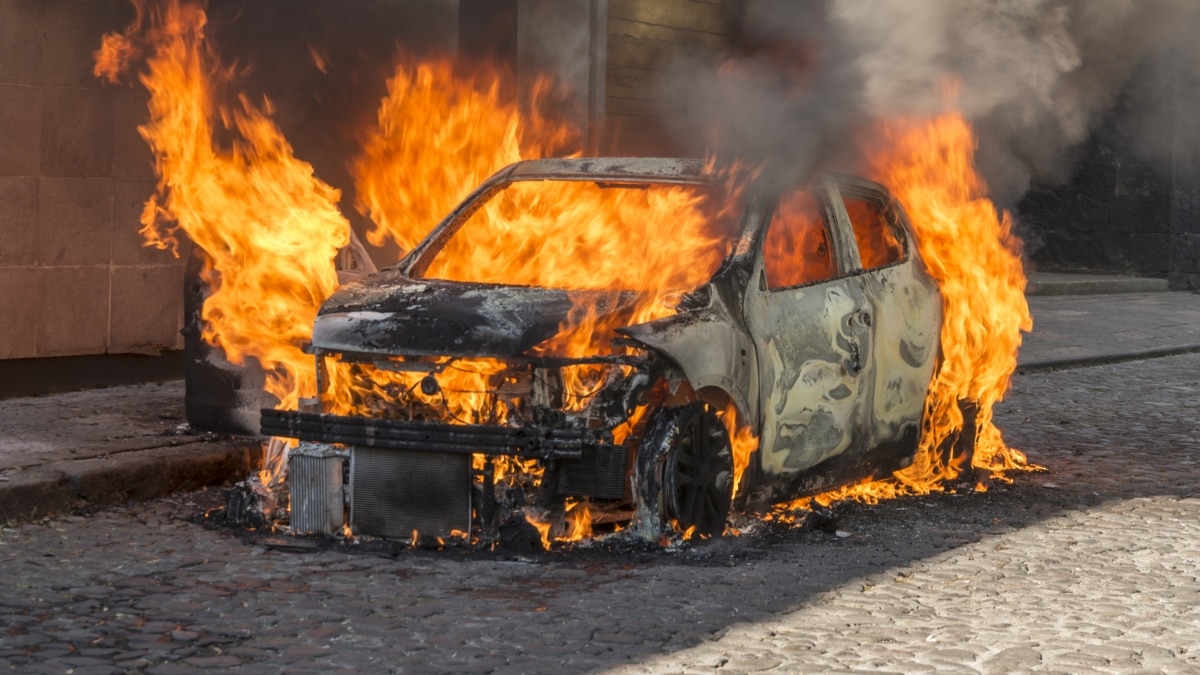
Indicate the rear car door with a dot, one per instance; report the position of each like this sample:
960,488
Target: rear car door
906,311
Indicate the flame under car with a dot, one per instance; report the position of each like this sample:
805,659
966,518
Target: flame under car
513,362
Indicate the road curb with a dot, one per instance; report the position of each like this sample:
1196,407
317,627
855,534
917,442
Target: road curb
68,486
1102,359
1094,285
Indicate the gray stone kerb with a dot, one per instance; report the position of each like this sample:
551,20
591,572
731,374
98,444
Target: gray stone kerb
58,487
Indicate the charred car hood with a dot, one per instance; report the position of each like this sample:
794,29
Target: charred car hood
389,313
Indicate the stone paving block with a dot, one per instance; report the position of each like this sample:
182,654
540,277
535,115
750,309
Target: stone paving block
213,661
35,493
147,309
102,669
76,132
74,221
174,669
70,485
190,467
18,313
73,304
20,130
114,479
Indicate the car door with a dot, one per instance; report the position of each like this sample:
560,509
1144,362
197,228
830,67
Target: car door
810,320
907,312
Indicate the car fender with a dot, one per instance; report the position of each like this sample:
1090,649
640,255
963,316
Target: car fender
710,348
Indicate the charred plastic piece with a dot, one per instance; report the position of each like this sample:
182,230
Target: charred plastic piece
249,503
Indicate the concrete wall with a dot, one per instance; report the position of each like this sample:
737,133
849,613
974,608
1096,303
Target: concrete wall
644,39
567,39
1131,205
74,173
1183,272
74,278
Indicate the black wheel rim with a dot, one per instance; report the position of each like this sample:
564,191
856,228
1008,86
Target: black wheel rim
699,473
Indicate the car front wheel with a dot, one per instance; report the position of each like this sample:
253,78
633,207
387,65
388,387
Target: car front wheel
684,472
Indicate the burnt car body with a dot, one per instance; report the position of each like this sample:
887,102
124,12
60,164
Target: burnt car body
825,346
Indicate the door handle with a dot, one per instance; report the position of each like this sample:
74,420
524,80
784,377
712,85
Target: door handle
854,363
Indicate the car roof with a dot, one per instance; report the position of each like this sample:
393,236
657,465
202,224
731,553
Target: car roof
653,169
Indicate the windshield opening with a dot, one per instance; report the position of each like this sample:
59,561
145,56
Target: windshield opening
584,235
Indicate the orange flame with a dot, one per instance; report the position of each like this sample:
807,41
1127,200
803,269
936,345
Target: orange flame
543,528
743,441
579,522
440,133
268,229
969,248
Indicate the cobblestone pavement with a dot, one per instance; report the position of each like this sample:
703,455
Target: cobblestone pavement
1091,565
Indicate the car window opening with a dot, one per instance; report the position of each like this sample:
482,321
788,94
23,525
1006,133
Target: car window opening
874,233
797,249
590,235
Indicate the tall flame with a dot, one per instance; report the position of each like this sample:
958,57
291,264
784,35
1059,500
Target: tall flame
968,246
441,131
267,228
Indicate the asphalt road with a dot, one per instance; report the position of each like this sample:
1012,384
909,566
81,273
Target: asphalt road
1091,565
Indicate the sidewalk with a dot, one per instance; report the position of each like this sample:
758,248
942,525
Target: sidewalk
1074,330
69,451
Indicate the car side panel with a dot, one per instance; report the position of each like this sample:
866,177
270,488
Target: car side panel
907,322
906,336
711,349
814,382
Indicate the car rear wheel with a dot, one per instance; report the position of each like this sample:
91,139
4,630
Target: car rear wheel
684,472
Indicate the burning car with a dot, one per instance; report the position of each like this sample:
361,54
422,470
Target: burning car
633,335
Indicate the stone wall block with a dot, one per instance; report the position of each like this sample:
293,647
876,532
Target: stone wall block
20,41
1185,254
73,310
131,158
147,309
77,135
129,198
74,221
20,130
18,221
18,313
70,35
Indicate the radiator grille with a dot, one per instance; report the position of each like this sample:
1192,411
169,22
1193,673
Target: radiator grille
599,473
394,492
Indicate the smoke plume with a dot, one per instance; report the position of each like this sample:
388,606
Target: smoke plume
1033,76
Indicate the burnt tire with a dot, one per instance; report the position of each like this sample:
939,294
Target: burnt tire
684,472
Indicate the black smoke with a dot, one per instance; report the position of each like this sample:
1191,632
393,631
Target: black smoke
802,80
